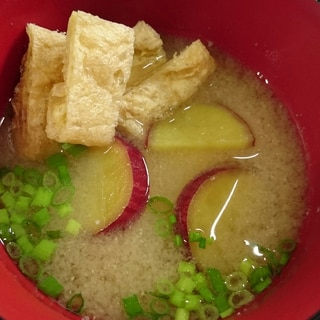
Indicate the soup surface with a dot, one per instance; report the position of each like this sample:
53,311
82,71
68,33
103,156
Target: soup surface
107,267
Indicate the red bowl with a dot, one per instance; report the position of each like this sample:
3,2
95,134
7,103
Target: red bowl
278,40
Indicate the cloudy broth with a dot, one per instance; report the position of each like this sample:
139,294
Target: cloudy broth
106,268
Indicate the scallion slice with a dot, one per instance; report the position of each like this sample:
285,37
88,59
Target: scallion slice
236,281
240,298
132,305
50,286
165,287
76,303
286,245
162,227
63,195
208,312
186,268
159,204
159,306
13,250
6,234
50,180
4,216
42,198
41,217
217,281
206,294
30,266
56,160
32,176
44,249
182,314
74,149
8,179
33,230
178,240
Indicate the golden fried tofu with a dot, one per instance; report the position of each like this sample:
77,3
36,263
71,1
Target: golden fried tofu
172,84
41,67
84,108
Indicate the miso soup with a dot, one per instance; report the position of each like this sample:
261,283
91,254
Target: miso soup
268,206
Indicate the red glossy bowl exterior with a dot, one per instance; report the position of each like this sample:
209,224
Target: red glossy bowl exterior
279,40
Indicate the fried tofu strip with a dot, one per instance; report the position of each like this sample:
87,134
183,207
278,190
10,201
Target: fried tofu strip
41,67
84,108
148,53
172,84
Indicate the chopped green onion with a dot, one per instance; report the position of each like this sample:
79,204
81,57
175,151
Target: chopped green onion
50,286
162,228
159,306
22,203
165,287
185,284
5,233
64,209
240,298
246,266
132,306
200,279
236,281
172,219
259,274
286,245
17,217
16,188
203,243
17,230
8,199
18,171
207,294
178,240
208,312
53,234
41,217
74,149
30,266
64,176
217,281
186,267
262,285
33,230
50,180
44,249
76,303
56,160
221,302
73,226
195,236
227,313
8,179
284,258
25,244
63,195
182,314
33,177
177,298
4,216
271,258
42,198
28,189
13,250
192,302
159,204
